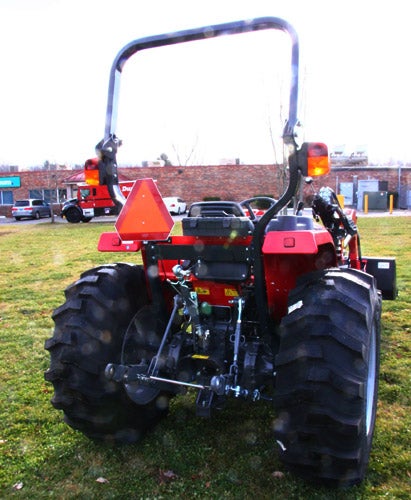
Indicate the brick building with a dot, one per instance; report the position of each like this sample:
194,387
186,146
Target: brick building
193,183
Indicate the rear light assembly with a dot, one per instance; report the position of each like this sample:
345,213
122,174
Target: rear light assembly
91,172
317,159
312,159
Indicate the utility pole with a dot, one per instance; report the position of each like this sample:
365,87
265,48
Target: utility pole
53,177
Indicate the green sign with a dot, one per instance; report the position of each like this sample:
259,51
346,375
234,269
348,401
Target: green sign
10,182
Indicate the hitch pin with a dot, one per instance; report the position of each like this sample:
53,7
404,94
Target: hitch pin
281,445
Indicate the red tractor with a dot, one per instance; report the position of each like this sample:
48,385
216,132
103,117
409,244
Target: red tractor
280,307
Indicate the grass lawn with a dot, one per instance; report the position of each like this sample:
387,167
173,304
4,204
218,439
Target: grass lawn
230,456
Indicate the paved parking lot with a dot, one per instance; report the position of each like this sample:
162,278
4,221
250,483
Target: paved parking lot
112,219
59,220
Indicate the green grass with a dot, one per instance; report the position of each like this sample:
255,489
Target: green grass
230,456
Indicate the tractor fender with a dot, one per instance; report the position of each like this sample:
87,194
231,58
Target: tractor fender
295,242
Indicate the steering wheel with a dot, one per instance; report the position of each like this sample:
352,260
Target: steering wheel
247,204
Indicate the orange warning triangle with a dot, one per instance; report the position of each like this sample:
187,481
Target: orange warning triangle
144,216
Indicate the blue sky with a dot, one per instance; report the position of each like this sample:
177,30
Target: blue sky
56,56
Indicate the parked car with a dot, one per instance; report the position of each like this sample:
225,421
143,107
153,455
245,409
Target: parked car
30,208
175,205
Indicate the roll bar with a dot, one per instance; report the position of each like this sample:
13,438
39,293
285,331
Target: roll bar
107,147
231,28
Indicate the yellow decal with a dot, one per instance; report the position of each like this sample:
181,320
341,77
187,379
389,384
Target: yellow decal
230,292
199,356
202,291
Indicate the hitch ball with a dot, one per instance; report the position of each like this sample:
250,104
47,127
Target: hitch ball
109,371
218,385
180,273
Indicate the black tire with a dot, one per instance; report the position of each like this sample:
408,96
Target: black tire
86,219
18,218
88,334
73,215
327,376
36,215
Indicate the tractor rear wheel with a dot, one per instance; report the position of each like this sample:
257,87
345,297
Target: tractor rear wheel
327,376
89,331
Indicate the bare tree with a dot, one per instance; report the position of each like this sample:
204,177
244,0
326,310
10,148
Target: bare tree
282,167
189,157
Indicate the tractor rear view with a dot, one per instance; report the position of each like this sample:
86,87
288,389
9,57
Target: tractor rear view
276,307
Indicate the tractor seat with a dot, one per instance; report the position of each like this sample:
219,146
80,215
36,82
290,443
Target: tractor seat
216,209
290,223
217,218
